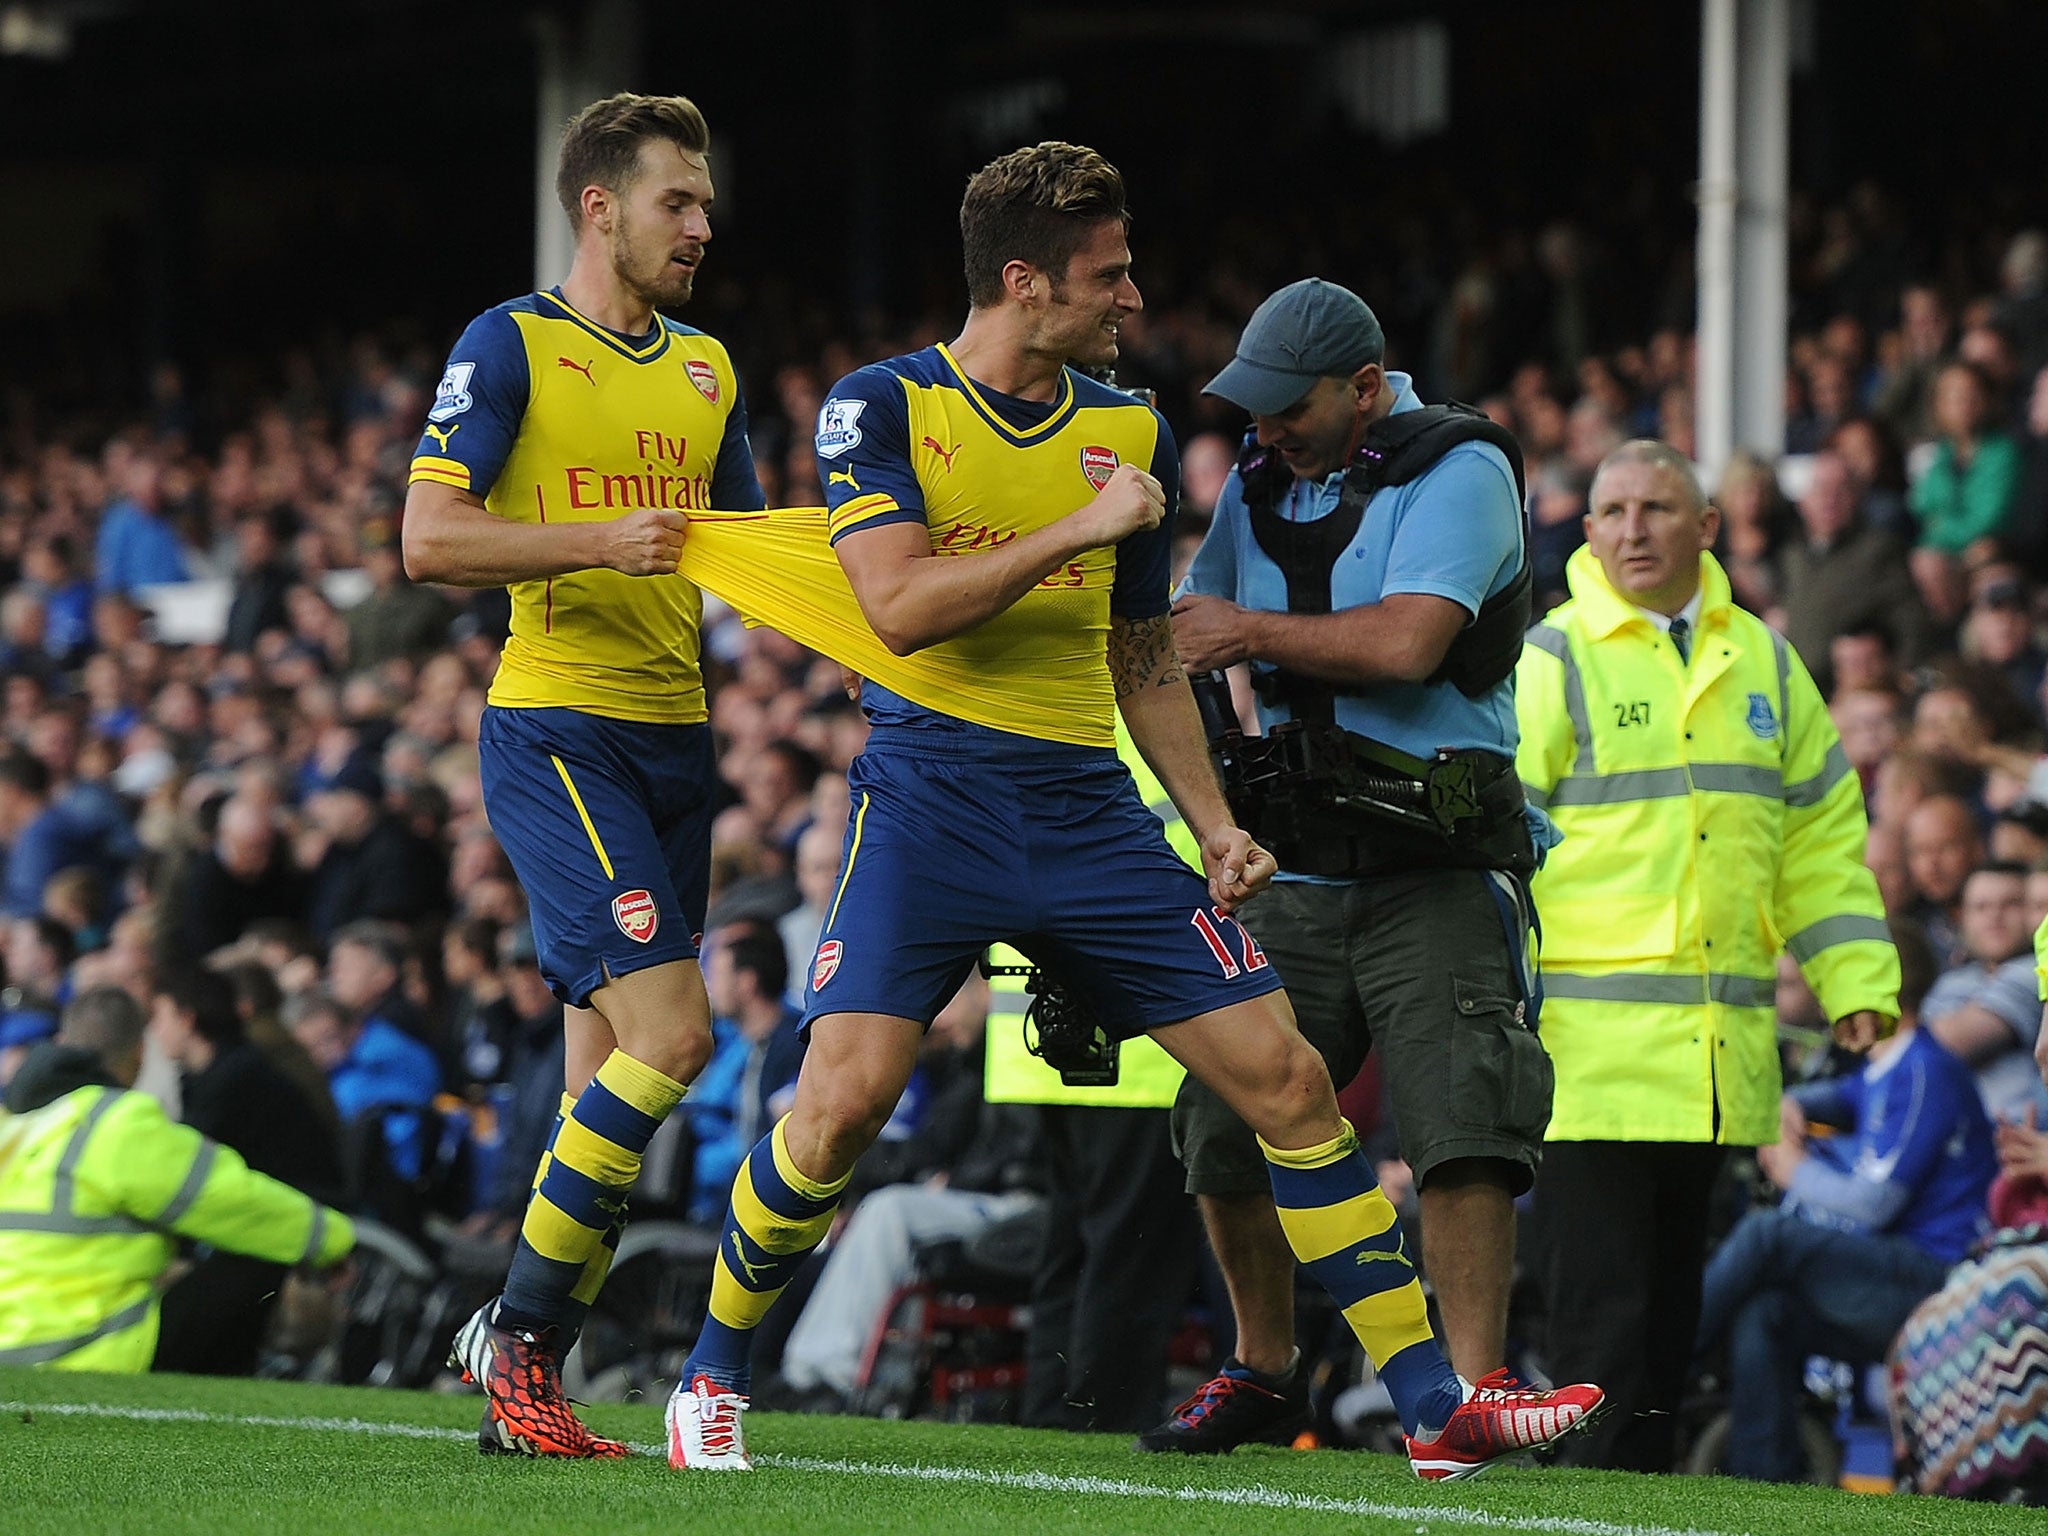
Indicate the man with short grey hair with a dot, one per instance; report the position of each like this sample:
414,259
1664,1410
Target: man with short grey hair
1366,561
1710,820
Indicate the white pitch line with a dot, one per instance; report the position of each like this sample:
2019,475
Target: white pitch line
1034,1482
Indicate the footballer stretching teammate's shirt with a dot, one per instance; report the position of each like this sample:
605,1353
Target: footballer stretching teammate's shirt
553,418
914,439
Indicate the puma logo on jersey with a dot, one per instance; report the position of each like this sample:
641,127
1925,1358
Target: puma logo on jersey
582,368
739,1256
943,452
442,434
842,477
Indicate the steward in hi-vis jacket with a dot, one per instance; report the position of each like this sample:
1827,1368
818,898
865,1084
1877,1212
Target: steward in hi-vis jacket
96,1186
1710,821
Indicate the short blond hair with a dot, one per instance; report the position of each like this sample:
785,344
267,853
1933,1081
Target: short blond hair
601,145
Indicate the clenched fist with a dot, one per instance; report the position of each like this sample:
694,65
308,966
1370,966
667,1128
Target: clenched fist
1238,868
645,543
1132,502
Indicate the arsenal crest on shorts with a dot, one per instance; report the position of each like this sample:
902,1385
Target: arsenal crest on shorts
826,966
636,914
1098,464
704,376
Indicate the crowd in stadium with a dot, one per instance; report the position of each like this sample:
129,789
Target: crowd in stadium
237,734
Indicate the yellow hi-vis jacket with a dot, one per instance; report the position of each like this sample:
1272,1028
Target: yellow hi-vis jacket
1146,1078
1711,820
93,1185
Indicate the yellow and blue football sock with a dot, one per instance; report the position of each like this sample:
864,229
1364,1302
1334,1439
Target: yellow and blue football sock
577,1308
777,1217
580,1194
1345,1230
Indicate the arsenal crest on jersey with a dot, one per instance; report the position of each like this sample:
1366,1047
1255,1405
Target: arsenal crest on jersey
704,376
826,966
1098,464
636,914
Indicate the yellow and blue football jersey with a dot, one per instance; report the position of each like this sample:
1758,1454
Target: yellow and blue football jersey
554,418
914,439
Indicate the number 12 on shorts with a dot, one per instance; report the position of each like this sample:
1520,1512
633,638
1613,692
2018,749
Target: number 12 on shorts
1211,925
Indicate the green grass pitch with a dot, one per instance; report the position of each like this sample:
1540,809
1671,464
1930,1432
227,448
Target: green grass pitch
170,1455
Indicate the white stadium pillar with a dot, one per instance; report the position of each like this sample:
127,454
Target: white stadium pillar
579,58
1745,133
1762,155
1714,264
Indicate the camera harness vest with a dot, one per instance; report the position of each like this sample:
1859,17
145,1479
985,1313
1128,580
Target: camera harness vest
1397,449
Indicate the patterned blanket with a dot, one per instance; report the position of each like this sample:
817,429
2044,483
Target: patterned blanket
1969,1375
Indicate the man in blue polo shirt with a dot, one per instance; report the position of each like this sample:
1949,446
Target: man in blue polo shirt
1361,616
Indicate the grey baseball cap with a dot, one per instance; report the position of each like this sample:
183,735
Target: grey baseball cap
1307,331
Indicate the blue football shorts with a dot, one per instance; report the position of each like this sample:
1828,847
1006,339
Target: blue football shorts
953,846
608,827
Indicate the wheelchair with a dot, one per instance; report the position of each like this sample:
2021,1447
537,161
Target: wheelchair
951,1343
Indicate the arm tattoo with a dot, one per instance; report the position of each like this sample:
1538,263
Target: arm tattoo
1141,654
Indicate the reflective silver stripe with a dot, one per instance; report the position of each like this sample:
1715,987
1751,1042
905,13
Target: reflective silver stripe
195,1181
1710,778
1833,769
1537,797
1551,640
1784,655
62,1215
1743,991
57,1349
1666,784
313,1237
1625,987
74,1149
1738,779
1843,928
65,1222
1614,788
63,1184
1652,987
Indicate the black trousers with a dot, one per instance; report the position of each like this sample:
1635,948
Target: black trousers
1117,1270
215,1317
1622,1230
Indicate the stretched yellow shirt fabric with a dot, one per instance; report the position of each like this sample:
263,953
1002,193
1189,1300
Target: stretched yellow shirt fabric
777,568
914,439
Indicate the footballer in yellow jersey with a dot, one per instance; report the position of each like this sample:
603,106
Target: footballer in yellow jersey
552,418
988,501
572,431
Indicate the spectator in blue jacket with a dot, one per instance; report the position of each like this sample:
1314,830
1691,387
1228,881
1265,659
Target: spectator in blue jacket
754,1059
370,1064
136,547
49,570
41,837
1872,1219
